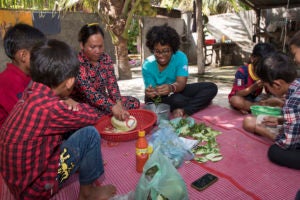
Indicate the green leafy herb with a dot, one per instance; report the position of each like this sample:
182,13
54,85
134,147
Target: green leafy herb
207,148
156,100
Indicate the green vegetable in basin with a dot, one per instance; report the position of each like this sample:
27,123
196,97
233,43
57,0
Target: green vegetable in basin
265,110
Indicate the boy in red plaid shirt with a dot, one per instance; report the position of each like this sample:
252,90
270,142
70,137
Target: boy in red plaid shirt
35,160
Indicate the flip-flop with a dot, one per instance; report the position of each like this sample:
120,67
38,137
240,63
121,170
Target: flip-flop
178,113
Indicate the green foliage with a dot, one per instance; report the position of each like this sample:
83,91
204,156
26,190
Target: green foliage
133,32
138,8
145,9
213,7
169,4
28,4
207,148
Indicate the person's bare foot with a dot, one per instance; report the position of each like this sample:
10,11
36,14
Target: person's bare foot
179,112
104,192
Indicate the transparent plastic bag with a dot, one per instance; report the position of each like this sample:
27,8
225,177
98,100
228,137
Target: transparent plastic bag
160,180
170,145
175,123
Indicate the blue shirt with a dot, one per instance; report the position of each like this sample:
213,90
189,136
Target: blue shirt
290,137
178,66
242,81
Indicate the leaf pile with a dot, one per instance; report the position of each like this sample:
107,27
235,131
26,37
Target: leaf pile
207,148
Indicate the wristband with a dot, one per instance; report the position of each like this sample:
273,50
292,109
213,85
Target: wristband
172,88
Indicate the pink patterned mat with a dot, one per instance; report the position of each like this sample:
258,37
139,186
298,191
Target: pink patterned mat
244,173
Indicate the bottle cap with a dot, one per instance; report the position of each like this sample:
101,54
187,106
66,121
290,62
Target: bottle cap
141,133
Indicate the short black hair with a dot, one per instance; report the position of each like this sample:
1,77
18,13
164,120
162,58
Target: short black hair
276,66
87,30
53,62
261,50
164,35
21,36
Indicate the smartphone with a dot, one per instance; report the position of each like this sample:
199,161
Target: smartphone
204,181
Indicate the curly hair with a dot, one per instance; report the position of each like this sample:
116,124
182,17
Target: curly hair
164,35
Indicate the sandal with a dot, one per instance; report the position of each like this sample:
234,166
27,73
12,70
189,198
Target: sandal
179,112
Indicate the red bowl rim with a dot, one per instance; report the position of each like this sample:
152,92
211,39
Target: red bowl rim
149,124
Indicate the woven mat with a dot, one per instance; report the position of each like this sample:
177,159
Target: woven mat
245,161
244,173
120,171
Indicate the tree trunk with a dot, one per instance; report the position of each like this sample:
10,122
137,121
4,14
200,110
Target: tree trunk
200,47
122,60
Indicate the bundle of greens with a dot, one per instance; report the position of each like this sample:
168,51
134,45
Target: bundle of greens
207,148
156,100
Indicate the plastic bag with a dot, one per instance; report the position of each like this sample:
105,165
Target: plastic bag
176,123
160,180
170,145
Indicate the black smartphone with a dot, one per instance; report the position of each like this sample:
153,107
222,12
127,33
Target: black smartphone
204,181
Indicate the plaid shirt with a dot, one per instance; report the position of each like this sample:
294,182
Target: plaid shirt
30,140
290,137
97,85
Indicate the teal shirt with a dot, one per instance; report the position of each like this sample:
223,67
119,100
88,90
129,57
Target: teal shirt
178,66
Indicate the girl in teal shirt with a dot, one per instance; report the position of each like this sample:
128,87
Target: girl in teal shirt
165,75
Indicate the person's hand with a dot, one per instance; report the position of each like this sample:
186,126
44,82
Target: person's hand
72,104
272,101
151,92
258,84
163,89
119,112
270,121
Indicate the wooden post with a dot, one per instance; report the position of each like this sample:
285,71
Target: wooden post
257,27
200,41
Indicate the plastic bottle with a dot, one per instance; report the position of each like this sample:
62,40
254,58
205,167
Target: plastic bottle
141,151
223,38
